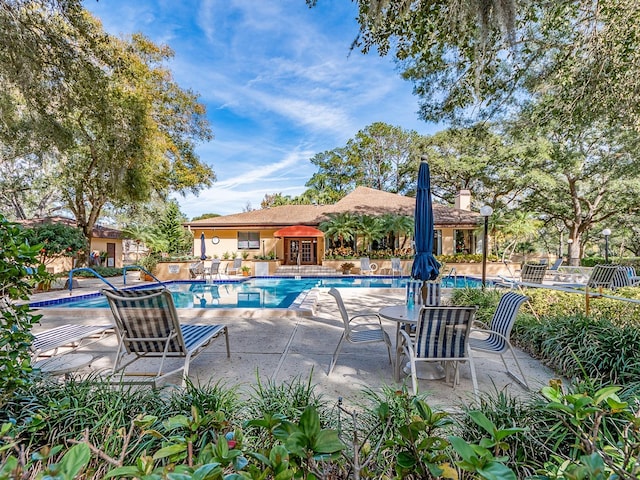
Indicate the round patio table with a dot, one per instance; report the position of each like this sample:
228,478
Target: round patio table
403,315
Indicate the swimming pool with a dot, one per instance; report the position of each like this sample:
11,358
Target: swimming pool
272,292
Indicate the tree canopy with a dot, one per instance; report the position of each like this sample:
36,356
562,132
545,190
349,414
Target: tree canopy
102,115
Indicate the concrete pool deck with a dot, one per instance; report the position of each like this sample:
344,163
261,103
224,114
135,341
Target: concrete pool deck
279,346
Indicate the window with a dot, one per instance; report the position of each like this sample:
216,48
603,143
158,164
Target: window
248,240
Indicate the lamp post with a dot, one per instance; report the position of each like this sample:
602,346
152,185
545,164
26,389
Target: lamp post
486,212
569,242
606,232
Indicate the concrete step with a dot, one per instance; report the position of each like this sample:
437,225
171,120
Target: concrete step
308,270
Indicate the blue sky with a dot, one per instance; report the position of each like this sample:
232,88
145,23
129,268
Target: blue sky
278,80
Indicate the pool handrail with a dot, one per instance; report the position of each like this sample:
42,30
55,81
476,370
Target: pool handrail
138,267
87,269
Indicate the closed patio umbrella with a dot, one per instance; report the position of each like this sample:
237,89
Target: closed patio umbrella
203,247
425,266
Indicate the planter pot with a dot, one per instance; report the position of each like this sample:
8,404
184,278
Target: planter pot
245,274
346,272
146,277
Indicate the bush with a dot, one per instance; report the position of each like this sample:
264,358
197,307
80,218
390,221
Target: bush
102,271
20,272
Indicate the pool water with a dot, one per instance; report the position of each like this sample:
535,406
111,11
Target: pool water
255,293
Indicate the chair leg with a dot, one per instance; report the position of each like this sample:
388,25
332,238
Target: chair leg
335,354
522,381
474,380
414,377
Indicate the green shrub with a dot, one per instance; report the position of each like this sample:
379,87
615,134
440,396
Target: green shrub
103,271
20,272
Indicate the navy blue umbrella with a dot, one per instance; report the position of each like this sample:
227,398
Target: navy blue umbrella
203,247
425,266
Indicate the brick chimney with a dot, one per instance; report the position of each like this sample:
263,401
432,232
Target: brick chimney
463,200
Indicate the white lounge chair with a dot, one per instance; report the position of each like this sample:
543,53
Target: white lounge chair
366,267
396,267
235,268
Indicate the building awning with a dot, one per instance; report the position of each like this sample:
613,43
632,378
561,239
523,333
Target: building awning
298,231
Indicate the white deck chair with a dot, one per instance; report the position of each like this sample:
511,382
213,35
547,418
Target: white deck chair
235,268
442,335
68,337
396,267
355,332
214,270
147,326
495,337
367,267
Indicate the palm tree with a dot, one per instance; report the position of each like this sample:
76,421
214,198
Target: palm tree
398,226
371,228
340,227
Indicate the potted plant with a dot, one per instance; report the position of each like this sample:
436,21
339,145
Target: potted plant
346,268
245,270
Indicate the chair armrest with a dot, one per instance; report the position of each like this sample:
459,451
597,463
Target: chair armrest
365,315
490,332
477,324
407,343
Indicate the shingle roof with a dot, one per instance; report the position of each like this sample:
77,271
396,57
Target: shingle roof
362,200
97,232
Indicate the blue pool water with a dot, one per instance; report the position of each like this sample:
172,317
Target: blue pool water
254,293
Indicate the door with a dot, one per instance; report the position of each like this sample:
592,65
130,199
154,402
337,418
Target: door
111,255
301,251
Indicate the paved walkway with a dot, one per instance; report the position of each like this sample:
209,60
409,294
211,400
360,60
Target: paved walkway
279,346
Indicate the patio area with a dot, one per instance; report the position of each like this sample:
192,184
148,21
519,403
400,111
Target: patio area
279,346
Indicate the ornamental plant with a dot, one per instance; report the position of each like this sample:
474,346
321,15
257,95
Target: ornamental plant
57,240
20,271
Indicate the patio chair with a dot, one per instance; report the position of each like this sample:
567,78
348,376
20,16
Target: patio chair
196,270
358,333
147,326
429,293
214,270
396,267
442,335
495,337
366,267
235,268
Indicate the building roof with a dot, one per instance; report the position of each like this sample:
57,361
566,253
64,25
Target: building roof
362,201
97,232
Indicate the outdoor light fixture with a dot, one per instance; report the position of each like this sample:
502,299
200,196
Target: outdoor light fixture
486,212
606,232
569,242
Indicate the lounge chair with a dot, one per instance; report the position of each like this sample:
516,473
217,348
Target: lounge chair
396,267
553,272
495,337
442,335
235,268
357,333
196,270
68,337
529,274
366,267
625,276
147,326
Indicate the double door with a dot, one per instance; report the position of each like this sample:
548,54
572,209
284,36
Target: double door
301,251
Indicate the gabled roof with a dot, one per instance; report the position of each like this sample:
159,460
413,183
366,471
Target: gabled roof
362,201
